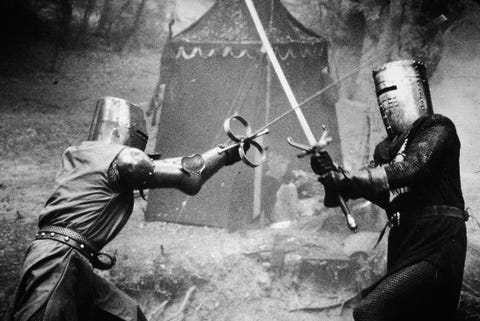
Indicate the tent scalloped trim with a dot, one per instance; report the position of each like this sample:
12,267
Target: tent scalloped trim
229,51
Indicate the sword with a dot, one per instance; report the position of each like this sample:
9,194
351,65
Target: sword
317,148
292,100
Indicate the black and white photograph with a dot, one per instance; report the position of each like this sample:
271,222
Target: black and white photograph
240,160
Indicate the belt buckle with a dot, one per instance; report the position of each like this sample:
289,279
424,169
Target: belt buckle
103,264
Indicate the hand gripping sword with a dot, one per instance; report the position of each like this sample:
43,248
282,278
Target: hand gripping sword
317,148
292,100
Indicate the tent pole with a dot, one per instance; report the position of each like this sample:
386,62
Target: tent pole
257,187
257,184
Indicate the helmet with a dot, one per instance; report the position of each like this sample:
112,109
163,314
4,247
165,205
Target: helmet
118,121
403,94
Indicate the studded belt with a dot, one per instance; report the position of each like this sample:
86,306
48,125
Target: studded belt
79,243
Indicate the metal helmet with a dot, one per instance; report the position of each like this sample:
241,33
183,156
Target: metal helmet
403,94
117,121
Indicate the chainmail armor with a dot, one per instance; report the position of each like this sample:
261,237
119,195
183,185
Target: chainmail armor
426,255
430,166
408,294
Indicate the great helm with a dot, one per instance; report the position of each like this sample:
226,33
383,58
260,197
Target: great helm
117,121
403,94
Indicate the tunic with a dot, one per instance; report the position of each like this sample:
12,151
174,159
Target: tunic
57,280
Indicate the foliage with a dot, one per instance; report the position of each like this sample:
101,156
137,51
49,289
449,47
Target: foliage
88,23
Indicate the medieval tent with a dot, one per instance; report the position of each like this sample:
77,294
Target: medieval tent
215,68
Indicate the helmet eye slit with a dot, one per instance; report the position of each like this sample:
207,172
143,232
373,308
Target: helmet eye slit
386,89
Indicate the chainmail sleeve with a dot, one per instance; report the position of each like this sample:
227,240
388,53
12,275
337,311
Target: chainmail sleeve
430,139
114,176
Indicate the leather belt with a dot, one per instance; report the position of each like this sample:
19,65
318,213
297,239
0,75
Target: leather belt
425,212
432,211
78,242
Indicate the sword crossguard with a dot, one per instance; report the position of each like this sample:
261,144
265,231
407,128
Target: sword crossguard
240,139
324,140
318,147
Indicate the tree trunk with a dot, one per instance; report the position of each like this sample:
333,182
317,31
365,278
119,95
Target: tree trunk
135,25
111,27
84,27
378,49
105,17
64,16
64,13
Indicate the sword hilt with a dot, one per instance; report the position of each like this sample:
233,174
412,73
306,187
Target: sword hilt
352,225
317,148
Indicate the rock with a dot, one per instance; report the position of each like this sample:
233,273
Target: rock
360,242
286,206
354,130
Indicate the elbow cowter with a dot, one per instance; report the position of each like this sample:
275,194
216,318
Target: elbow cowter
135,167
192,184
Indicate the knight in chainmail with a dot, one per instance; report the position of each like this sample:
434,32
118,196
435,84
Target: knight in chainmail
416,179
92,201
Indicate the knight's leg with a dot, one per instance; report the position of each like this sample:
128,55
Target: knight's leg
408,294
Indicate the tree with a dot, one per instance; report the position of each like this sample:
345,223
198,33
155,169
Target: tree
64,17
89,8
135,26
105,19
369,33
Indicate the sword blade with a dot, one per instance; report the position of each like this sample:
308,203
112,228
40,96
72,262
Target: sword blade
281,76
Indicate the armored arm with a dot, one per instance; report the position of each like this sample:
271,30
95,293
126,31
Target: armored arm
138,171
430,138
170,173
370,183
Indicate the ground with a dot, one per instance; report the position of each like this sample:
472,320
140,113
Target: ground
175,272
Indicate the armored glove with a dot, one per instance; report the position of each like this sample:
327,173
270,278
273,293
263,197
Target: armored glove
370,183
321,163
333,180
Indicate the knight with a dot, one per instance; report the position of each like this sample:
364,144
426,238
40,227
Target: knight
415,177
92,201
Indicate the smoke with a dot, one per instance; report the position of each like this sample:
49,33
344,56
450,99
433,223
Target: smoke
455,88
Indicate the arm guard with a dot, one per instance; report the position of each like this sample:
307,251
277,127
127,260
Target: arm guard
369,183
169,173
